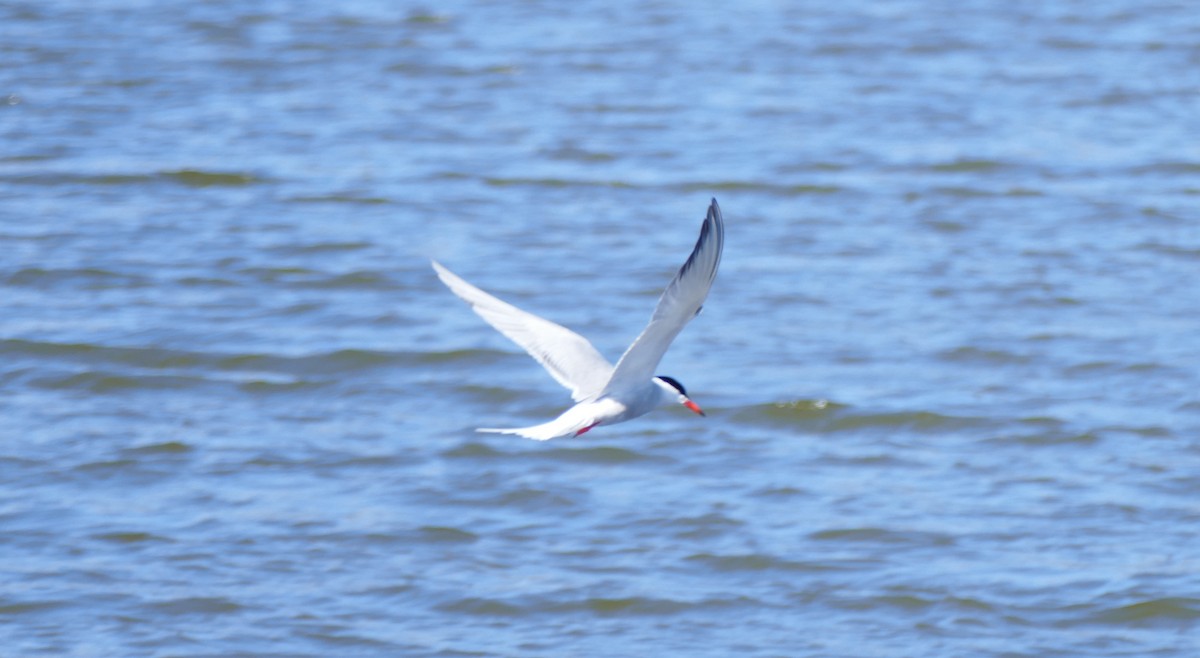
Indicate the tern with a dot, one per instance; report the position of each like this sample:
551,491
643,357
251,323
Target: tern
605,394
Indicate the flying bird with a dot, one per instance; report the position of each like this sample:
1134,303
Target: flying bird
605,394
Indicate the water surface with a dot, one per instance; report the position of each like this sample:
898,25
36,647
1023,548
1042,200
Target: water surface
950,362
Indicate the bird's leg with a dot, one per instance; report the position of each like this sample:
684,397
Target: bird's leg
586,429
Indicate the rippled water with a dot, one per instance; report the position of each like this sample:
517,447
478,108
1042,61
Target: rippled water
951,362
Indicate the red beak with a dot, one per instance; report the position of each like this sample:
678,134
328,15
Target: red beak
693,406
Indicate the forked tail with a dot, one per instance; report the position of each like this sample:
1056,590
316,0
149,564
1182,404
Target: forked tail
564,425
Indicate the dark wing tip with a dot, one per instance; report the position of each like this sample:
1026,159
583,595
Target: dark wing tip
714,216
713,222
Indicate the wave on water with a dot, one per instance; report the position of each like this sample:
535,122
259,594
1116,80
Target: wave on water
10,608
196,605
884,536
106,368
305,278
591,454
471,356
822,416
343,199
1169,611
340,360
597,455
203,178
88,278
161,448
131,537
324,247
94,381
819,415
756,562
785,190
447,534
599,605
188,177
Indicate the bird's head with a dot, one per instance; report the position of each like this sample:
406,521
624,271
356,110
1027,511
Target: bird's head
673,387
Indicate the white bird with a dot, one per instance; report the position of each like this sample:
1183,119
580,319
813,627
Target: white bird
605,394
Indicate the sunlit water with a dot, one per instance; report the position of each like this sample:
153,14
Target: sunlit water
951,360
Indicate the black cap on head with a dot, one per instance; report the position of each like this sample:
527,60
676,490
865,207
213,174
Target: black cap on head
674,383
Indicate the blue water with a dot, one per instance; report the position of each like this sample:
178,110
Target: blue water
950,362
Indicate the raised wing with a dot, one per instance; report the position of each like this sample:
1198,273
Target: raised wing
680,302
566,355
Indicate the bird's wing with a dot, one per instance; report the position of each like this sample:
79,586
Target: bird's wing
680,302
568,357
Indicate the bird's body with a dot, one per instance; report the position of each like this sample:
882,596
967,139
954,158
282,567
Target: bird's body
617,407
606,394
